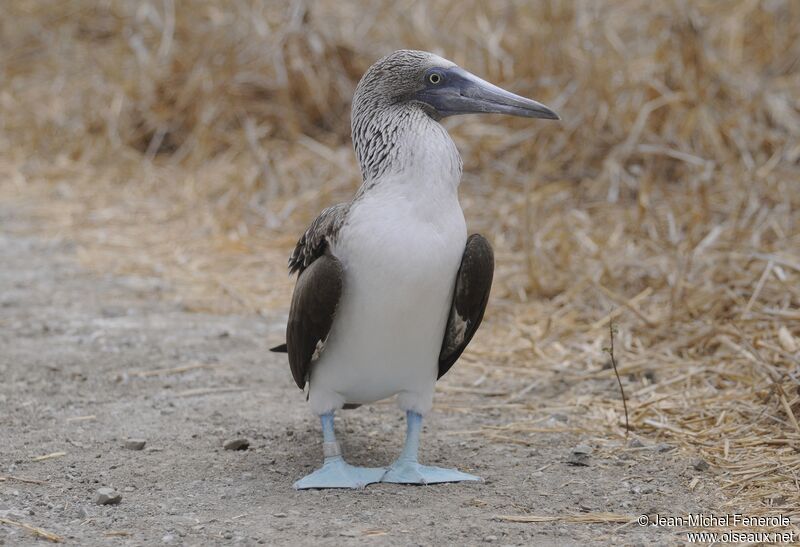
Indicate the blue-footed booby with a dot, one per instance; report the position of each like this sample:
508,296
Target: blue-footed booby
390,288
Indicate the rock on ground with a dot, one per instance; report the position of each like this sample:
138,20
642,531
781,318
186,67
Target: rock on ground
135,444
107,496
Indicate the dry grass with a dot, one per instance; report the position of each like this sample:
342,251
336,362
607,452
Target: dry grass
37,532
194,142
586,518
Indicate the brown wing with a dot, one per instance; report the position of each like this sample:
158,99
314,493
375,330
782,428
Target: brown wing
314,242
316,294
314,302
473,283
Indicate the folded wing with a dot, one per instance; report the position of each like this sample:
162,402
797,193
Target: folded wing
316,293
473,283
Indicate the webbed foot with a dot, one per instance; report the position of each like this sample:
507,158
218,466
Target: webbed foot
337,473
411,472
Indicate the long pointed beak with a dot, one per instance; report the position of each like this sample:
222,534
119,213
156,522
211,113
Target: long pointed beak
464,93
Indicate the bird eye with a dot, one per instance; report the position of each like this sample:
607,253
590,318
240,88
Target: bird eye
435,78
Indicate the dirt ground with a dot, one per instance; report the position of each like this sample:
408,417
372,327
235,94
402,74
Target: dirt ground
85,364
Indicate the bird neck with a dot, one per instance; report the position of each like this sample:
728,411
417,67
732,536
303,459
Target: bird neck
403,140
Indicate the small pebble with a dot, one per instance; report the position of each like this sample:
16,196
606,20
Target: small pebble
580,455
107,496
135,444
237,444
490,539
168,538
665,447
582,449
635,443
700,464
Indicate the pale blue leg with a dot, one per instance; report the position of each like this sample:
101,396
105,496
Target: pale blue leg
407,470
335,472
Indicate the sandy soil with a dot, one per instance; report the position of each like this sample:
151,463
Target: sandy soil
75,351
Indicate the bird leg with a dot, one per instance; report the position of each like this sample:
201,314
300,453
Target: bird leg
407,469
335,472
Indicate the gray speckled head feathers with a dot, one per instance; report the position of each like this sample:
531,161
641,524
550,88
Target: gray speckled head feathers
394,78
382,102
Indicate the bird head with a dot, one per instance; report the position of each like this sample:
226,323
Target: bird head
439,87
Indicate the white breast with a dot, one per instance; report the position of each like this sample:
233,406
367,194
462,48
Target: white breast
401,248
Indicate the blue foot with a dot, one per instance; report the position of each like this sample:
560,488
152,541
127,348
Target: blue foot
337,473
411,472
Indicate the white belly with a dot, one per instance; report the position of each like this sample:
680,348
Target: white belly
400,261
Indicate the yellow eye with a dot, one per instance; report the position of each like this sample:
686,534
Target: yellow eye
434,78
